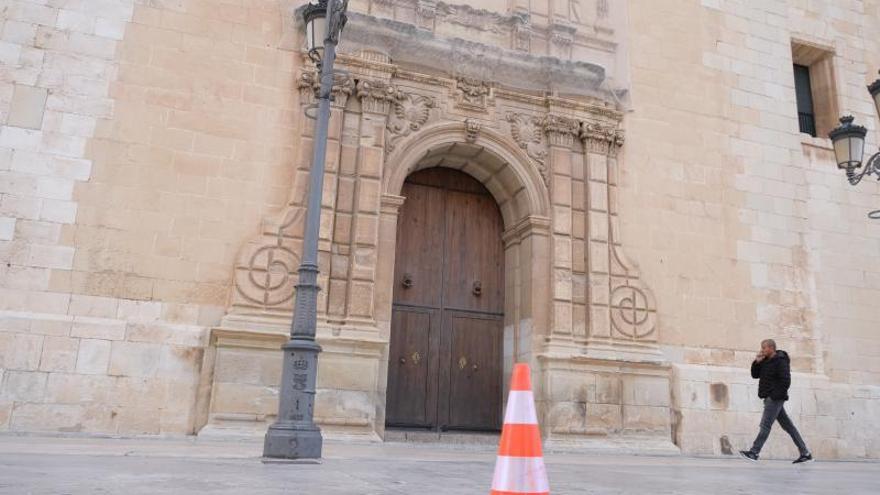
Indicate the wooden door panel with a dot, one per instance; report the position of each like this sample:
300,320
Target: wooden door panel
420,231
412,365
475,370
474,254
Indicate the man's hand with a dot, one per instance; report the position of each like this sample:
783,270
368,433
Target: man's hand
759,357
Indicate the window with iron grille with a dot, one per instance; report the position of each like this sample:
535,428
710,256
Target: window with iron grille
804,94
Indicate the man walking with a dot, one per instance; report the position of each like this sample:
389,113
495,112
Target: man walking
773,369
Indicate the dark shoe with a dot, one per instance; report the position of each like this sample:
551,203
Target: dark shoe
803,458
748,454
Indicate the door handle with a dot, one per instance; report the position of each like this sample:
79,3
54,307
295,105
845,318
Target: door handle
403,360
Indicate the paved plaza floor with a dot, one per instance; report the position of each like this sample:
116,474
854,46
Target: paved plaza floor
74,466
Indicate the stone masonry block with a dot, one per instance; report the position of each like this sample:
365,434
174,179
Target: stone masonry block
27,107
59,354
134,359
24,385
93,356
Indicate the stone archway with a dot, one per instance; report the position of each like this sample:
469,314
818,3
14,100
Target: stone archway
522,197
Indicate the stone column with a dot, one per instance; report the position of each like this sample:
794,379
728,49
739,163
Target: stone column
561,133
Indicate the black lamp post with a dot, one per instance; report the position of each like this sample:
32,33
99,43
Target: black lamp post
295,434
849,147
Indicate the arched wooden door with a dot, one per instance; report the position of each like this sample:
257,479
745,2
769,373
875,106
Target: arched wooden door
445,362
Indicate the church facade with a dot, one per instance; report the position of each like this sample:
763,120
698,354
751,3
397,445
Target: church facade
628,196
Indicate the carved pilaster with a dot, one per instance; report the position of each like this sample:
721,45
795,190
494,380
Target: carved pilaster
561,131
377,96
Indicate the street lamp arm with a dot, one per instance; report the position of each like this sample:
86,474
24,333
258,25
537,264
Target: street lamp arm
871,167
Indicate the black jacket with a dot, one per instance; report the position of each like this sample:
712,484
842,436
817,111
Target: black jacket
774,376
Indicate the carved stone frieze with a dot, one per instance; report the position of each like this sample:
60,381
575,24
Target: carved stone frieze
528,133
410,113
472,94
377,96
561,131
602,138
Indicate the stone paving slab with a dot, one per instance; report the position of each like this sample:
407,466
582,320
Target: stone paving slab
43,466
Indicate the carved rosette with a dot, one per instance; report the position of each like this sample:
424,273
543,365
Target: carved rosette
602,138
377,96
561,131
411,112
528,133
309,84
472,94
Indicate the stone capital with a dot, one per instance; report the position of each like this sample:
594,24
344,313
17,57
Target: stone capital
561,131
602,138
377,96
309,84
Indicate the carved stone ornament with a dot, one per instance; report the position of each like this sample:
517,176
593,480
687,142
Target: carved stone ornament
472,130
266,273
377,96
410,113
561,131
472,93
426,12
602,138
528,133
522,33
309,84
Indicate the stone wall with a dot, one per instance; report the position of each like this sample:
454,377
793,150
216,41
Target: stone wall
143,142
745,227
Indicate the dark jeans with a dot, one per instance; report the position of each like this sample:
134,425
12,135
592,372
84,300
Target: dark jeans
774,410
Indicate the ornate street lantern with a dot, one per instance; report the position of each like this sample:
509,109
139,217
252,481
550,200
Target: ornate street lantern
315,17
849,143
849,147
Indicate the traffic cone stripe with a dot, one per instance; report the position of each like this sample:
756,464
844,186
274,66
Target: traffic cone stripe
520,475
520,408
521,380
520,441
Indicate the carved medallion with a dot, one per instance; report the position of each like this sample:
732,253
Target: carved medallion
472,93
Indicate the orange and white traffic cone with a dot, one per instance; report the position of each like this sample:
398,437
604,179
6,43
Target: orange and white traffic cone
520,466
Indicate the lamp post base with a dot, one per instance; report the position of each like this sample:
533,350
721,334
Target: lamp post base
292,442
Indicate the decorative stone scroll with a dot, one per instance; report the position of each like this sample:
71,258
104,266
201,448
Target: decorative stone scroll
410,113
528,132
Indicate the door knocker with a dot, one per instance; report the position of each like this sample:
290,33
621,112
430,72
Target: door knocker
478,288
407,281
462,362
416,357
